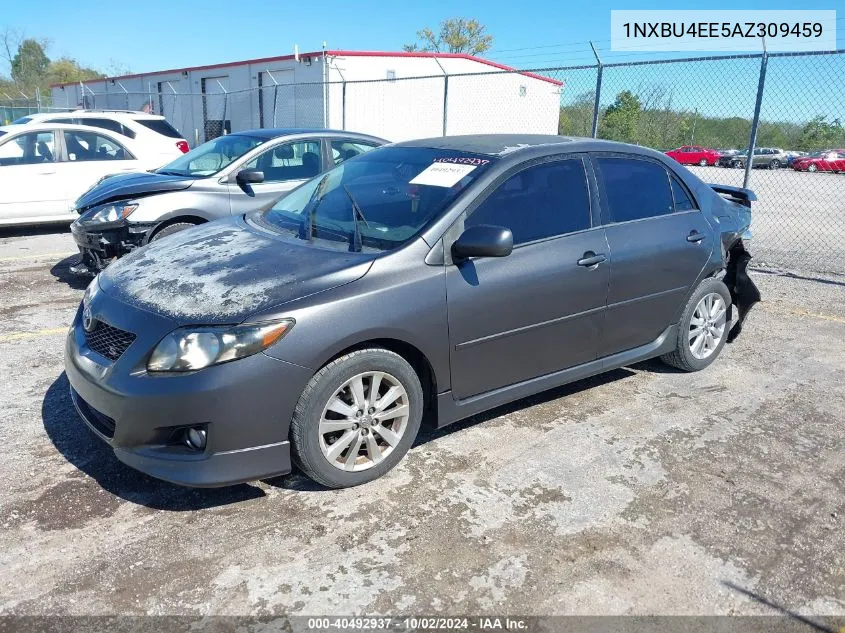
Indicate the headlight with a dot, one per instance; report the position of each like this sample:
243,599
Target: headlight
188,349
112,212
90,292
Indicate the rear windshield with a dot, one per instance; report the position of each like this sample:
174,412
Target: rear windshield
161,126
22,120
2,132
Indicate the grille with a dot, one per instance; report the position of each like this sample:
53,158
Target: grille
109,341
100,421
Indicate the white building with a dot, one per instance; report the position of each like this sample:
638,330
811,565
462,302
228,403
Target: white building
397,96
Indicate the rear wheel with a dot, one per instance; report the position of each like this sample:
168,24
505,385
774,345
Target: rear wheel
356,418
703,328
170,229
739,164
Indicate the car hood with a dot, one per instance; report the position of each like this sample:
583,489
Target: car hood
224,271
132,185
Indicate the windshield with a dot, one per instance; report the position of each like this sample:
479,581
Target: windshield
377,201
21,121
211,157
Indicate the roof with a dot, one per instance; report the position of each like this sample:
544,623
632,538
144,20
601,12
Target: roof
491,144
328,53
501,144
270,133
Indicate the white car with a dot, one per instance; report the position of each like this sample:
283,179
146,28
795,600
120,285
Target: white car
150,130
44,168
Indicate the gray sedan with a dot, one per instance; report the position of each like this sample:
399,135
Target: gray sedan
229,175
440,277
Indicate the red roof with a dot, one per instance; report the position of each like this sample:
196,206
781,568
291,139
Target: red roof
263,60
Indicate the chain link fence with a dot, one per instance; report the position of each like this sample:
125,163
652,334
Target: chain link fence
785,110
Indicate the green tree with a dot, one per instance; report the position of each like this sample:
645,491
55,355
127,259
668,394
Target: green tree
621,118
457,35
818,133
65,70
576,119
29,65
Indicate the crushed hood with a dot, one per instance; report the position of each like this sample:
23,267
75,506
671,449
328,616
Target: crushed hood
132,185
224,271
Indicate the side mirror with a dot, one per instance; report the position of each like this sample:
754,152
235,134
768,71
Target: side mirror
483,240
249,176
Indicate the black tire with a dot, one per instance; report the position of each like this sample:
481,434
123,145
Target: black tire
703,162
170,229
682,357
304,429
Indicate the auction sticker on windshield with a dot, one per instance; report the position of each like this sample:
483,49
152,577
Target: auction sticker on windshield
441,174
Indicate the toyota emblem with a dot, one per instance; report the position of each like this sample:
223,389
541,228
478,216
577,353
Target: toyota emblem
88,321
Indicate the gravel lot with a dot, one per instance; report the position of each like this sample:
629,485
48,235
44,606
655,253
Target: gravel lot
799,217
642,491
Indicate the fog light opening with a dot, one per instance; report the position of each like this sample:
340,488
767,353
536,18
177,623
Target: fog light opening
195,438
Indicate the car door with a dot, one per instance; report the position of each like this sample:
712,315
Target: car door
659,243
28,177
540,309
285,166
89,156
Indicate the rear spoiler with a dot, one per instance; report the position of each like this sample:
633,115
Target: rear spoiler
743,196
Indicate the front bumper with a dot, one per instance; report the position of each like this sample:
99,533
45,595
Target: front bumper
99,244
245,405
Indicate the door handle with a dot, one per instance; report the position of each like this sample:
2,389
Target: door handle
695,237
46,173
591,259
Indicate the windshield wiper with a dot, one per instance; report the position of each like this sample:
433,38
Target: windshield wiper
355,240
310,210
169,172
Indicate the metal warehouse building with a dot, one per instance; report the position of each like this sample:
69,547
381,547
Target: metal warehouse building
397,96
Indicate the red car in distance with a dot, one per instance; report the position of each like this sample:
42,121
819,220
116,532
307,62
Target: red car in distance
828,160
694,155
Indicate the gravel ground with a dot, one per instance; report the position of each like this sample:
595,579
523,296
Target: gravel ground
643,491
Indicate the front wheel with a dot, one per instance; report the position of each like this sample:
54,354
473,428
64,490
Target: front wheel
702,330
812,168
775,164
739,164
703,162
356,418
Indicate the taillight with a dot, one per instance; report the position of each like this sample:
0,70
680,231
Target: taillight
183,146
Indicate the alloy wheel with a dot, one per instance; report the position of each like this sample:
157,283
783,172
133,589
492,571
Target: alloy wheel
363,421
707,325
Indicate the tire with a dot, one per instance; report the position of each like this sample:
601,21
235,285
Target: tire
312,444
775,164
170,229
739,165
684,356
703,162
812,168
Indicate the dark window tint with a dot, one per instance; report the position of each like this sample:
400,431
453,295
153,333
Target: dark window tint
635,189
63,120
161,126
22,120
108,124
683,202
291,161
542,201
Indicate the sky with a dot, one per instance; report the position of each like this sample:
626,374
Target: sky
156,34
133,37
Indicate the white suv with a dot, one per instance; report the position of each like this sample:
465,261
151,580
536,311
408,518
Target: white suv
151,131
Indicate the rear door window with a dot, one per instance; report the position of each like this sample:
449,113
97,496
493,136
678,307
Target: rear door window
89,146
160,126
344,149
683,201
635,189
108,124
